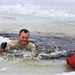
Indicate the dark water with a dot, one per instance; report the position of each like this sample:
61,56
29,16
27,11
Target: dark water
46,40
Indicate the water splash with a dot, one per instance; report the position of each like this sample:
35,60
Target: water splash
45,52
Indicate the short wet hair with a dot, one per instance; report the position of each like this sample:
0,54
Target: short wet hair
24,30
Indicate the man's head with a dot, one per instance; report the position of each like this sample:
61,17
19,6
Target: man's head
23,36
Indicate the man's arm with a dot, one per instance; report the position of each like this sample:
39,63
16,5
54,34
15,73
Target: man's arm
8,45
33,48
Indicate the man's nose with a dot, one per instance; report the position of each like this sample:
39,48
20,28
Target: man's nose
25,38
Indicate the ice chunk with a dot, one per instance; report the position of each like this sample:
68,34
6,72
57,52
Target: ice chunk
4,69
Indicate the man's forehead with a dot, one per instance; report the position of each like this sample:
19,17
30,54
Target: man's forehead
23,33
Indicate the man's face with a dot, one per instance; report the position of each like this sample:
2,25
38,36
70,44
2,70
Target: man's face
23,38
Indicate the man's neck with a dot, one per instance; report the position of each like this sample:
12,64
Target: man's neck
22,44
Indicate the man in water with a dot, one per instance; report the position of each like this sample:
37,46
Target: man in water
22,43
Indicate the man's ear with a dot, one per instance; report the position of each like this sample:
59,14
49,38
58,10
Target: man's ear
18,36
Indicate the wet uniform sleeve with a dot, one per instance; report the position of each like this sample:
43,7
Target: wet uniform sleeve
10,45
32,47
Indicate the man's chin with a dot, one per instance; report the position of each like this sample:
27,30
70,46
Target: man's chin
24,43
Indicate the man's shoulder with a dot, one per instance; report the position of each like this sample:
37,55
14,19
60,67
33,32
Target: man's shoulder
13,42
31,43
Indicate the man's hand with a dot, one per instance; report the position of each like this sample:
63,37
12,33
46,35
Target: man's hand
3,46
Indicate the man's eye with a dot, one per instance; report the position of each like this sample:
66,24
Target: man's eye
22,37
25,37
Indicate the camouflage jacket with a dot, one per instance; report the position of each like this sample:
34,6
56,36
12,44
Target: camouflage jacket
17,45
